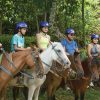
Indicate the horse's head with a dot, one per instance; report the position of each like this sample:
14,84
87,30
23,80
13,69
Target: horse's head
76,64
58,54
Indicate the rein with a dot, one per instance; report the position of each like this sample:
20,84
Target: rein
8,72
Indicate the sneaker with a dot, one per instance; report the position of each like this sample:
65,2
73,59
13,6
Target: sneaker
91,84
67,88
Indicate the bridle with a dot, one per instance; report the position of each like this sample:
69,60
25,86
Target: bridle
53,47
13,65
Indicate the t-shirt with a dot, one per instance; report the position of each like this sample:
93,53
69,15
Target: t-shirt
43,40
17,40
70,47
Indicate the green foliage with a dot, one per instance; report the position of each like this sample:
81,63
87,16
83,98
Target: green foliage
6,39
60,13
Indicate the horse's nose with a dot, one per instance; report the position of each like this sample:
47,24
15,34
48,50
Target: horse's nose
66,63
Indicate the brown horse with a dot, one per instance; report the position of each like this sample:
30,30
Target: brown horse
78,86
19,59
95,68
53,82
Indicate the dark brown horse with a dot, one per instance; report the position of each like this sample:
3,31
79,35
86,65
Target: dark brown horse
78,86
19,59
53,82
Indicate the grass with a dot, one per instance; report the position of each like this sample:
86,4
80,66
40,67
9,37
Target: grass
91,94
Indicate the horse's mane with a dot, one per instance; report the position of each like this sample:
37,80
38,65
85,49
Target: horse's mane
24,52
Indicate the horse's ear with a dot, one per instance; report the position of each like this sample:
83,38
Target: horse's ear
34,47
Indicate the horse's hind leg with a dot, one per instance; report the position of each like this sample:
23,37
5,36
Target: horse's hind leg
36,93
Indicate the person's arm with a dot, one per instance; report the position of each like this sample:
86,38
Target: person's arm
63,44
16,48
89,51
76,47
98,50
38,38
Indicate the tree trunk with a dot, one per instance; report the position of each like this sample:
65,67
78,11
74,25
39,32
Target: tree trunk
0,27
45,15
83,21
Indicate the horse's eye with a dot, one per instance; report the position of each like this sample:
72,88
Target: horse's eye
58,50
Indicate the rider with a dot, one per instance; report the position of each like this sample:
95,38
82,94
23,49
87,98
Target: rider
17,42
93,48
93,51
43,39
69,43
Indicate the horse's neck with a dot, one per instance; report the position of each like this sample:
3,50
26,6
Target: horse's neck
46,56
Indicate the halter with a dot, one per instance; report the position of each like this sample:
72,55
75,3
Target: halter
53,47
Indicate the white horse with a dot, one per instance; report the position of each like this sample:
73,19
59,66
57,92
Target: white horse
54,52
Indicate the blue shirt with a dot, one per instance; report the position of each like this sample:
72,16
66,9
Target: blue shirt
18,41
70,47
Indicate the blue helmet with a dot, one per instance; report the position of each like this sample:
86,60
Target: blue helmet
21,25
44,24
69,31
94,36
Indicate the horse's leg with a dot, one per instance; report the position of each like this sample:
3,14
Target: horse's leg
49,92
25,92
36,93
82,95
15,92
53,93
53,97
31,90
76,95
3,94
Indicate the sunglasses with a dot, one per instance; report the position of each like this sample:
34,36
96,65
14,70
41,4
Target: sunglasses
72,34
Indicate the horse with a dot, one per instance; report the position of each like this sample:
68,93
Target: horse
54,52
10,68
53,82
77,85
95,68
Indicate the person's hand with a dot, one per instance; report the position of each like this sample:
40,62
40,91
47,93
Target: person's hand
0,45
90,57
28,48
78,51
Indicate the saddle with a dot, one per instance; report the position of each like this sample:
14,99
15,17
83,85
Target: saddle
20,78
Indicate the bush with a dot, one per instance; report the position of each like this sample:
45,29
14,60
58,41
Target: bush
5,40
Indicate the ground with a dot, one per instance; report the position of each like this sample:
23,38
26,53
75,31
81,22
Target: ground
91,94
